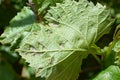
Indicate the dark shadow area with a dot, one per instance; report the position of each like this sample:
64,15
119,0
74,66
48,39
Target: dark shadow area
6,13
107,38
90,67
8,9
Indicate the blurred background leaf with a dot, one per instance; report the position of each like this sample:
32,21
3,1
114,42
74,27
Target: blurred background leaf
111,73
6,71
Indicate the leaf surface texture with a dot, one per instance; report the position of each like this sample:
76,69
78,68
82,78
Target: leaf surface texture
56,50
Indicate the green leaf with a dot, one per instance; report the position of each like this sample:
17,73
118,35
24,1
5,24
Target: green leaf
25,17
87,18
19,27
50,51
111,73
56,50
43,5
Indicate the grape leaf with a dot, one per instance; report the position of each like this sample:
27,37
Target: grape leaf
18,28
56,50
111,73
88,15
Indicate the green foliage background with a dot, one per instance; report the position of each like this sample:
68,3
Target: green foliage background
13,67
